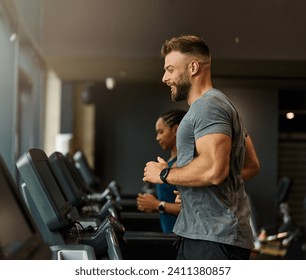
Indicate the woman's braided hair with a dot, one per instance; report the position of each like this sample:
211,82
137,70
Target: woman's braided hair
173,117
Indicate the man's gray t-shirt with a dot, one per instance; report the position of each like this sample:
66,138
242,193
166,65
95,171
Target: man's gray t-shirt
218,213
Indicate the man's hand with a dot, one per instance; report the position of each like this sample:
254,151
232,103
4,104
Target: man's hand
153,169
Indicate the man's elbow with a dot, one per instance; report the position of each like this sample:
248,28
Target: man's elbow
256,168
251,171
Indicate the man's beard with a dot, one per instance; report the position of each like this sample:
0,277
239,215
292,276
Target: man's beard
182,89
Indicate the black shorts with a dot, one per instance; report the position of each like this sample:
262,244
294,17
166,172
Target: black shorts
191,249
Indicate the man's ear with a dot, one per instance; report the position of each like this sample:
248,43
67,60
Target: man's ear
194,67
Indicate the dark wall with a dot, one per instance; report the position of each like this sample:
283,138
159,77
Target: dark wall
125,132
125,135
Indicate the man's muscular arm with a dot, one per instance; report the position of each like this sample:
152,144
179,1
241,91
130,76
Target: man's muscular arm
209,167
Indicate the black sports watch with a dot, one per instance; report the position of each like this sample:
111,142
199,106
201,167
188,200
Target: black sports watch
163,174
161,207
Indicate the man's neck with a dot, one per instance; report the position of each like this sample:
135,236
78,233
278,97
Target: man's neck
196,94
200,84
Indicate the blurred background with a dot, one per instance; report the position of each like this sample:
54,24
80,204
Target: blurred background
86,75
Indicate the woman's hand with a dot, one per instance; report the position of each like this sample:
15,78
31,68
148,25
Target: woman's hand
147,202
178,197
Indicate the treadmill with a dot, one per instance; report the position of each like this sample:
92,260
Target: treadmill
58,213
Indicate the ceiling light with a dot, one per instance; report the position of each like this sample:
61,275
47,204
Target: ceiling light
290,115
110,83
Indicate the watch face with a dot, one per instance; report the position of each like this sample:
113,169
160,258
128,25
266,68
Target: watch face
164,172
161,207
163,175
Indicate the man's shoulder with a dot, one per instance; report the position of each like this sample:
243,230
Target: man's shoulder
211,99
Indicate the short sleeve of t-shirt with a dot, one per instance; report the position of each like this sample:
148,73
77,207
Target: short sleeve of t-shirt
210,114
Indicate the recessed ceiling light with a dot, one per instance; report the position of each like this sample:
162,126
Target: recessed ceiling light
110,83
290,115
